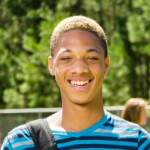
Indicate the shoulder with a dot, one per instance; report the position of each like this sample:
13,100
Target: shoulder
18,138
116,120
131,131
124,125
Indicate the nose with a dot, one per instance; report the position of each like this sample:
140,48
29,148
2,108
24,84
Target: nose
80,67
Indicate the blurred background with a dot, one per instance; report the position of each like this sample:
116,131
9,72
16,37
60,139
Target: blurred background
25,30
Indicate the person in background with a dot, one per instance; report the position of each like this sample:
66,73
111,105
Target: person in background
135,111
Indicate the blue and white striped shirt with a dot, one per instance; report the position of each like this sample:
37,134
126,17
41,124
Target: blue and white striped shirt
111,132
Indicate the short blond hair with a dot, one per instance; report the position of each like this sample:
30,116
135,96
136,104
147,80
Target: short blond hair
78,22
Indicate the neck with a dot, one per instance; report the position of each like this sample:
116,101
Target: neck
79,117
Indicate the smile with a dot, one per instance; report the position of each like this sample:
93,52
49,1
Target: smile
79,83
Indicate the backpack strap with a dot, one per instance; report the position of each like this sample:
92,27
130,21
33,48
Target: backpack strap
41,134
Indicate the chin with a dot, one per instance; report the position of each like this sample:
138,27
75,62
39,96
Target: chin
81,102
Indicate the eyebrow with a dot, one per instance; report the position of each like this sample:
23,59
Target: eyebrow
63,51
93,50
67,50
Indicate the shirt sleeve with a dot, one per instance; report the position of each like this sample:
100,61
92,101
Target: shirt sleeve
18,139
6,145
143,140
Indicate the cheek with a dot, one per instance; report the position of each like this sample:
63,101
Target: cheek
98,70
59,74
57,68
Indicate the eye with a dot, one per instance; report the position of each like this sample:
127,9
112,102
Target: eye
65,58
92,58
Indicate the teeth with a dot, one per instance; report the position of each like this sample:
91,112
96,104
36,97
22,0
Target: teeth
79,83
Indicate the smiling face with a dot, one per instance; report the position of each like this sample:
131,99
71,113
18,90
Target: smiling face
79,67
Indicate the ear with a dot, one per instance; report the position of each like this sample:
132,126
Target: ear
107,62
51,65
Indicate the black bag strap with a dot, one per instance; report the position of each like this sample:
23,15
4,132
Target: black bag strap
41,134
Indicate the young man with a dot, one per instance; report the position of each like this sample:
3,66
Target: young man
79,62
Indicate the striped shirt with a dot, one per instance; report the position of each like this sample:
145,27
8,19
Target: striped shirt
111,132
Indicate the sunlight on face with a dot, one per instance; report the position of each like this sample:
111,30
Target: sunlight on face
79,66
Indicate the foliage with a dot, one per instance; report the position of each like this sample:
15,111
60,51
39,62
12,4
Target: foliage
25,29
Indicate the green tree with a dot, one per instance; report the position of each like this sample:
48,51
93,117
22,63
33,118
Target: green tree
25,29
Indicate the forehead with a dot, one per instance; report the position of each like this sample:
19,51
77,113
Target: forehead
78,33
78,39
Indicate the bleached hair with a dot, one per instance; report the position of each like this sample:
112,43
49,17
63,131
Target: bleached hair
78,22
